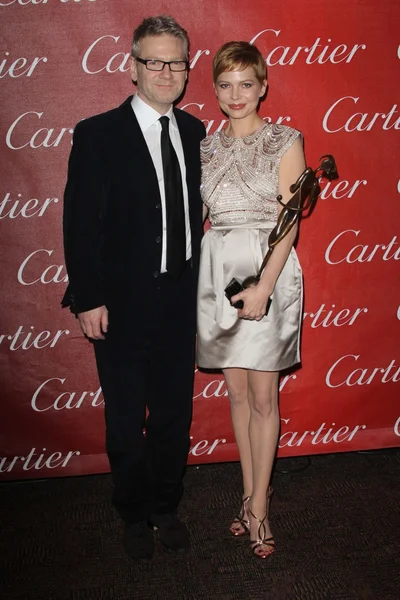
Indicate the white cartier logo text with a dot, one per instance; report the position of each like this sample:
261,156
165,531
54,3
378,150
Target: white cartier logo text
38,460
97,57
23,339
359,121
325,318
361,252
216,388
212,125
204,446
17,207
343,189
19,67
41,402
33,2
342,372
22,2
51,274
316,53
323,435
93,61
23,133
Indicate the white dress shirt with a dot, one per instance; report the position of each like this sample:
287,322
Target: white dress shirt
149,123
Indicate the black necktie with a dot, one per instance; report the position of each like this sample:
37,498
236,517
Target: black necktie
176,234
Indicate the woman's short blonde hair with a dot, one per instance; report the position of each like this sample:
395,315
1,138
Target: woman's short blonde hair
238,56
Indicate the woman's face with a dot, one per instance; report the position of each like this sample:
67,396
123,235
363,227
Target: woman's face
239,92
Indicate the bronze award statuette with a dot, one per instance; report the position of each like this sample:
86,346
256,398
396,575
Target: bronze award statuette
305,193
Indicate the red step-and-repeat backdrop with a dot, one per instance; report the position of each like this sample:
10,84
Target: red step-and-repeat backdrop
333,74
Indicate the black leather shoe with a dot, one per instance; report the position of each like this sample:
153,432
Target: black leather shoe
171,532
138,540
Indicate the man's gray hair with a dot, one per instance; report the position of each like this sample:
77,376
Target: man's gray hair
163,24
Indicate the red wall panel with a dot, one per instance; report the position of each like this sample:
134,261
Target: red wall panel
332,74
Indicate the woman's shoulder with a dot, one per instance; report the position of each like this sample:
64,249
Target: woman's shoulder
210,140
278,138
279,131
208,148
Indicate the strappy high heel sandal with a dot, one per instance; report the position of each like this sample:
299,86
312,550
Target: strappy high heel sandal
267,545
241,525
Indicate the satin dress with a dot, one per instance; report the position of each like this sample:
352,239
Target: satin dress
239,187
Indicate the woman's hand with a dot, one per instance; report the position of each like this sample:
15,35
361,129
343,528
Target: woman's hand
255,301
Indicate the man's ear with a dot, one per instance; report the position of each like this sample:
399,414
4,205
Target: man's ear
133,69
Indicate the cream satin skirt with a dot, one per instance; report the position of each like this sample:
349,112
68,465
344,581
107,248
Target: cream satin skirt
224,340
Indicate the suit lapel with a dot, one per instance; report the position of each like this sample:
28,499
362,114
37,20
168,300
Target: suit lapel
140,164
187,144
191,167
135,143
143,169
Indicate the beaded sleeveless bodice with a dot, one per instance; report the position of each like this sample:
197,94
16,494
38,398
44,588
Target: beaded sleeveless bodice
240,176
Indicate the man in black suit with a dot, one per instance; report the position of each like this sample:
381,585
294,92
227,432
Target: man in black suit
132,231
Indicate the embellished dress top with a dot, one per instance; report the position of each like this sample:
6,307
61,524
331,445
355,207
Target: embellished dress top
240,183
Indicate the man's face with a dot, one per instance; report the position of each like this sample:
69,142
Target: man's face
159,89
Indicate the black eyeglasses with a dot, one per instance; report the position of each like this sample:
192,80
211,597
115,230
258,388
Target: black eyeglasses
158,65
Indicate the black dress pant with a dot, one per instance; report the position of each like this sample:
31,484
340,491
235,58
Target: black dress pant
146,372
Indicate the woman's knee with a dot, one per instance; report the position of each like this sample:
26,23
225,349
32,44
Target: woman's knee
263,405
237,385
238,397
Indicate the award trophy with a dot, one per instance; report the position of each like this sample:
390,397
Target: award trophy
305,193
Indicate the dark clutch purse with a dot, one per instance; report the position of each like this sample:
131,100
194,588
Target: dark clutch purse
234,287
305,193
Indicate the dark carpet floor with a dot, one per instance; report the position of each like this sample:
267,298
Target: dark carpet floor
336,524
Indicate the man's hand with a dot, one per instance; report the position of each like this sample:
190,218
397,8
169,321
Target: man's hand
94,323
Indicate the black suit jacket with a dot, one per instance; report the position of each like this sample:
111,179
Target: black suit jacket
112,210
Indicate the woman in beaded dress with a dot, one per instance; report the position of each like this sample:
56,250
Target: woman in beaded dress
244,168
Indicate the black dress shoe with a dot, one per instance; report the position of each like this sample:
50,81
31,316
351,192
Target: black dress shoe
138,540
171,532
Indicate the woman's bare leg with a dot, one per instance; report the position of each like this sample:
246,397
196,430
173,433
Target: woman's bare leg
263,434
237,384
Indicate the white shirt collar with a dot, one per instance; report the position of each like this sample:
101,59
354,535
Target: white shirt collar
148,116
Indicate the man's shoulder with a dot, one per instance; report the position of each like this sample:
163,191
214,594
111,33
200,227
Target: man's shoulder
103,120
187,120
